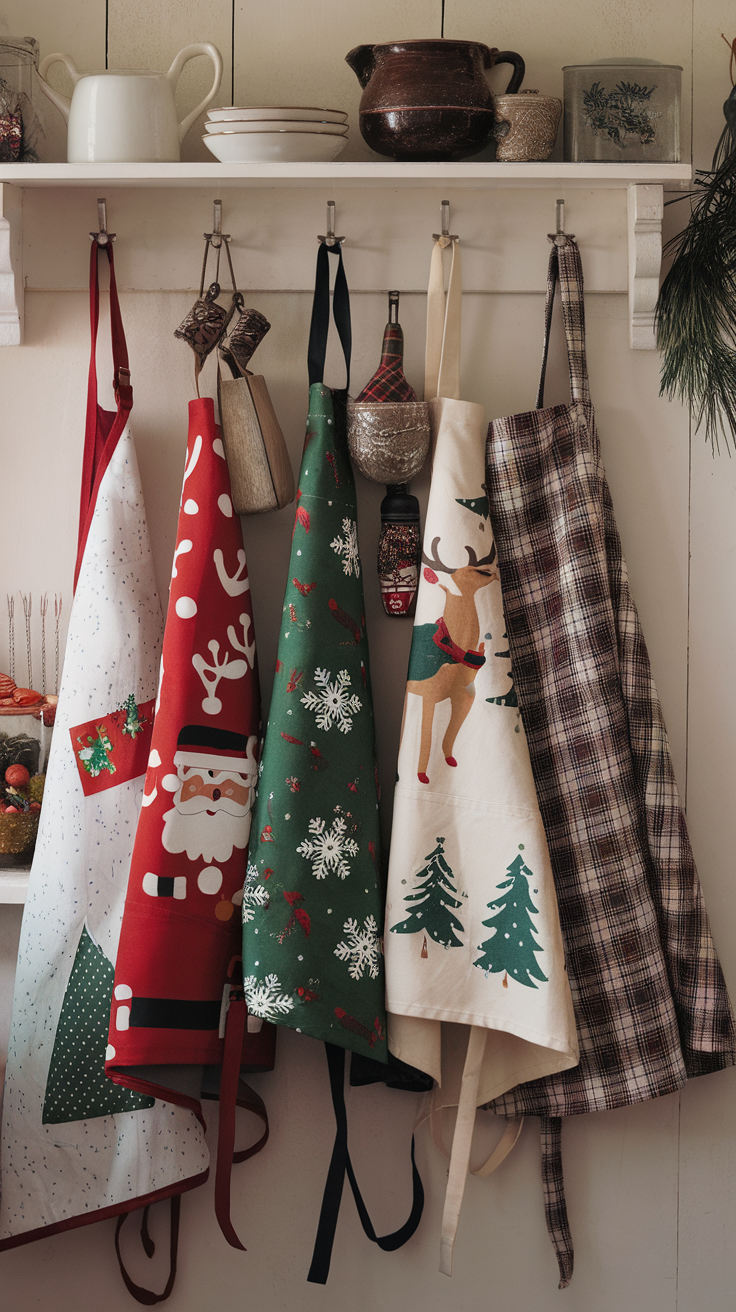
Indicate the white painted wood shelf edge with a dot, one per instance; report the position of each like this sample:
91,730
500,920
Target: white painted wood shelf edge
645,184
13,885
469,175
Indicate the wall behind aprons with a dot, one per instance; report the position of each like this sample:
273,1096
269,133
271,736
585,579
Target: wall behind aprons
650,1189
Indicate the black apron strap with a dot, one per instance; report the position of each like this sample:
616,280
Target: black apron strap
340,1164
142,1295
320,323
555,1207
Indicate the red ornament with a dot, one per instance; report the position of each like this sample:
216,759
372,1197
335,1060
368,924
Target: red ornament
16,776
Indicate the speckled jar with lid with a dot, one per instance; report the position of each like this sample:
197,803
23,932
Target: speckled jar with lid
622,111
526,126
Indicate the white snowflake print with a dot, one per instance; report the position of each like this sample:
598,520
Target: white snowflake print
333,704
264,999
362,948
328,848
347,547
254,895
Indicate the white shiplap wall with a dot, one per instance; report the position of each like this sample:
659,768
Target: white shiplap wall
650,1188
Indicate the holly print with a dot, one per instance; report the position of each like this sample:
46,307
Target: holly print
134,721
362,949
333,705
435,899
511,947
327,848
96,757
264,998
347,547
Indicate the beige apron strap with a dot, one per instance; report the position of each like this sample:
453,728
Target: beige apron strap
461,1142
508,1140
442,360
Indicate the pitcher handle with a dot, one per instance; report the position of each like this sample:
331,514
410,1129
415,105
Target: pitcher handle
509,57
63,103
189,52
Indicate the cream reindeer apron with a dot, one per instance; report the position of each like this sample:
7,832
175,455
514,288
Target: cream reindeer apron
477,991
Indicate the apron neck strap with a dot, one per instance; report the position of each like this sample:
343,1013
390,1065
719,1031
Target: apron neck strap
320,324
442,360
565,264
121,372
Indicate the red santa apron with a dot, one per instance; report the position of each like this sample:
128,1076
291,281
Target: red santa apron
178,1008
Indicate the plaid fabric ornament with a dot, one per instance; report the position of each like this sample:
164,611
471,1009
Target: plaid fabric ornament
388,382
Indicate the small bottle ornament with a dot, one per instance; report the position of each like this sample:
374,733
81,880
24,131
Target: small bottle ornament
399,550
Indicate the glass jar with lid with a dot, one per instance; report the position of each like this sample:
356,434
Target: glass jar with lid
622,111
19,124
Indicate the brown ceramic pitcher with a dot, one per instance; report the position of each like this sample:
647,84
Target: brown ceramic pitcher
429,100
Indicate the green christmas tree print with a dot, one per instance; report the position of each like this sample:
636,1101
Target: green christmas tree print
134,723
511,948
435,901
77,1088
478,505
95,758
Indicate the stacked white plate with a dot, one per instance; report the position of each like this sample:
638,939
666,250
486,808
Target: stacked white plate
275,134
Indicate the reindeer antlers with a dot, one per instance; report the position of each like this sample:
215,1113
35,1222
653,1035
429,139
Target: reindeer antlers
434,559
485,560
473,561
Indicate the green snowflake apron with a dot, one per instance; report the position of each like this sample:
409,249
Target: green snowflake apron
312,903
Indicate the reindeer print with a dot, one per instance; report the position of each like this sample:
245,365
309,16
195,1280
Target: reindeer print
446,656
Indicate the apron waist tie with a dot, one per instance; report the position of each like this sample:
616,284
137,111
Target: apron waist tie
555,1207
340,1165
146,1296
461,1142
230,1097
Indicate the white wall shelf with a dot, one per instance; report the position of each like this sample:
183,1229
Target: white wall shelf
13,885
645,184
382,173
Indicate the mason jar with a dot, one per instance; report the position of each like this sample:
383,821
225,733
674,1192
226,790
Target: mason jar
19,124
622,111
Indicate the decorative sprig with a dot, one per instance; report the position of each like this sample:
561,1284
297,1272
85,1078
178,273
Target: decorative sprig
696,310
43,607
11,634
27,608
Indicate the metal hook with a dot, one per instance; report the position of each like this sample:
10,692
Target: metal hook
103,236
393,307
445,223
217,236
330,239
560,237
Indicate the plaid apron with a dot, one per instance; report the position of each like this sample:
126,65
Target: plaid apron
650,999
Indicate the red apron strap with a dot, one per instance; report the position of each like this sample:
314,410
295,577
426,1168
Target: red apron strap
230,1097
146,1296
102,427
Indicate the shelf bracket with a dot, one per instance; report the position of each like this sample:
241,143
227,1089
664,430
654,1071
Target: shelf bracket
645,209
11,265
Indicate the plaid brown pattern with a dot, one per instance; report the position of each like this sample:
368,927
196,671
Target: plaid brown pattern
649,995
553,1187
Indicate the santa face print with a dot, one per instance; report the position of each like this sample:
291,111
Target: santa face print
211,812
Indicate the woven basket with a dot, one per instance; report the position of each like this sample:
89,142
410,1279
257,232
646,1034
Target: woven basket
17,836
389,440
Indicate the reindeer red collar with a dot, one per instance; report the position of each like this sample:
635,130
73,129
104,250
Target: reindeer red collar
445,658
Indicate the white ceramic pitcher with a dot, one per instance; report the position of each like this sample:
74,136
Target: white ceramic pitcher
126,117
